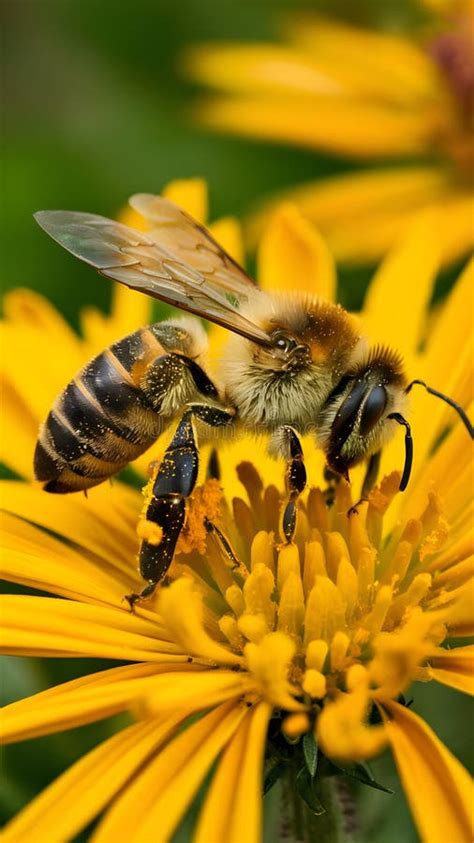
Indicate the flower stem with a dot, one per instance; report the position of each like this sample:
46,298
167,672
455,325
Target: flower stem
299,823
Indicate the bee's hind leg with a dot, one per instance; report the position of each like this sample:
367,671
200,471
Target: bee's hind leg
166,508
295,480
147,591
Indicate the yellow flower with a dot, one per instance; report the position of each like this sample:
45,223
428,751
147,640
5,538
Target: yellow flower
364,95
319,637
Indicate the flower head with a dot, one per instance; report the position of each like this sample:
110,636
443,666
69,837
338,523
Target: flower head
257,646
363,95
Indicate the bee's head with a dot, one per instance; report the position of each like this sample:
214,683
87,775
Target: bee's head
358,416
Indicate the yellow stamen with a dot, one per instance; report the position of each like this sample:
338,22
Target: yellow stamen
288,561
269,662
316,653
258,590
336,550
263,550
253,627
347,584
324,611
229,627
291,611
235,598
295,725
338,650
314,563
314,684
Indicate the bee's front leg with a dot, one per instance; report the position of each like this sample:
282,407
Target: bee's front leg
174,482
369,481
295,480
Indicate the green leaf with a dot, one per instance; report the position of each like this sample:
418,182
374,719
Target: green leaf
362,773
272,775
310,751
305,786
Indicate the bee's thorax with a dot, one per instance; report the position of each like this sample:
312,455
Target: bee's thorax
271,387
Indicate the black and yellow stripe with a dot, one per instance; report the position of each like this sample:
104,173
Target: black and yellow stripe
112,411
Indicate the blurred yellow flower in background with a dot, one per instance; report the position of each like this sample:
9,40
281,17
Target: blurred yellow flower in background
367,96
319,637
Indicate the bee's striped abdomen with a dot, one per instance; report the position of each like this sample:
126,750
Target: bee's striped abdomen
111,412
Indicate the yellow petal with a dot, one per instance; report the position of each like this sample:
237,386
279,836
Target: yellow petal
455,320
344,126
103,523
252,68
180,607
31,310
130,311
454,668
34,558
38,377
214,819
246,821
195,692
18,424
457,230
292,255
386,316
51,627
80,701
85,789
362,214
343,730
228,233
438,788
368,236
362,194
461,622
379,64
167,785
441,469
190,195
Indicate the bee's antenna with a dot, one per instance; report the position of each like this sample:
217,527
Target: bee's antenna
449,401
408,450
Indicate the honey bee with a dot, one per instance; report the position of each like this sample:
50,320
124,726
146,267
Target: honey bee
293,364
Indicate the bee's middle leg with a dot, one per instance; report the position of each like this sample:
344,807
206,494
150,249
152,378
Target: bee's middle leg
295,479
174,482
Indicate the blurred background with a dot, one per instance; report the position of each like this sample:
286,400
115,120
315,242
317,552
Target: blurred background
97,109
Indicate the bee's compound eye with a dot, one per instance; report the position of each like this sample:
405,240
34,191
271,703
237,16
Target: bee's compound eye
373,409
282,342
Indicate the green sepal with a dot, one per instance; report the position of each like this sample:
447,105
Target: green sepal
272,775
310,752
305,786
362,774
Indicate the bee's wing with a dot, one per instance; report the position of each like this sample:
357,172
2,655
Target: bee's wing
184,267
192,244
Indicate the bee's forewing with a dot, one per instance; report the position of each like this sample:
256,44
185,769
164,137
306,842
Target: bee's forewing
178,262
192,243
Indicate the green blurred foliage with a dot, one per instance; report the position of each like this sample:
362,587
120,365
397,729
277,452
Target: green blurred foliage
96,110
